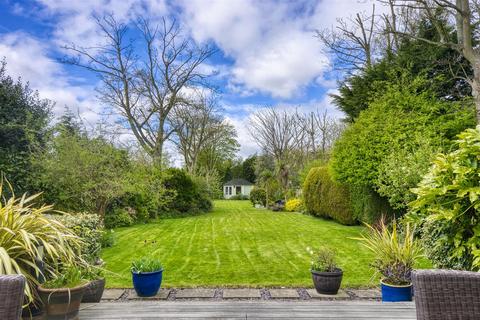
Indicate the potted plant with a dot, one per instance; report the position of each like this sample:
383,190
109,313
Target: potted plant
26,231
326,275
395,256
147,276
96,285
61,296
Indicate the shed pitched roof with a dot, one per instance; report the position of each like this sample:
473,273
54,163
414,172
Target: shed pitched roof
238,182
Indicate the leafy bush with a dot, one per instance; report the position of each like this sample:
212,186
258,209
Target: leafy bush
145,192
24,119
119,217
258,196
209,181
395,124
402,170
186,195
325,198
447,208
395,254
87,227
108,238
81,174
323,260
239,197
368,206
294,205
146,264
25,231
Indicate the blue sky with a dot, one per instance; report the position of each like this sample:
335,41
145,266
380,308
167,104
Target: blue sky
267,52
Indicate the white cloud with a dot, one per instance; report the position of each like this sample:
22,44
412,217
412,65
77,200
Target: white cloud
28,58
74,18
247,144
273,51
271,45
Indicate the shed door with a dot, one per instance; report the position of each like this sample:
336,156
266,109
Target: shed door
238,190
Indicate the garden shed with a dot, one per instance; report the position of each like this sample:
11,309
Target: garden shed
237,187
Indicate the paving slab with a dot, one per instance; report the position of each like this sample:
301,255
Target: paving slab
367,293
195,293
161,295
284,293
340,295
241,293
112,294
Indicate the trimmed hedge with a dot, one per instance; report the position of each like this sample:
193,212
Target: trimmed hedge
368,206
325,198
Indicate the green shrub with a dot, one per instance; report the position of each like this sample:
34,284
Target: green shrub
209,182
186,195
447,207
323,259
108,238
24,119
258,196
144,192
368,206
81,174
402,170
325,198
119,217
239,197
378,149
294,205
89,228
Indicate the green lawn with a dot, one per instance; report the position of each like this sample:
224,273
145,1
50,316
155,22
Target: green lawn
237,245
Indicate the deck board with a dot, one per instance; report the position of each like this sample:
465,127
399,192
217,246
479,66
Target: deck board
333,310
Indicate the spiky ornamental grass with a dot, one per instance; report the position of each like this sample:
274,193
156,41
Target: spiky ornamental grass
26,236
395,253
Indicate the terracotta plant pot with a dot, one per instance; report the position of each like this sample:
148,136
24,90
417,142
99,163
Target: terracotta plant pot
62,303
94,291
327,282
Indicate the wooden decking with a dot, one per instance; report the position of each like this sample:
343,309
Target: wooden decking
334,310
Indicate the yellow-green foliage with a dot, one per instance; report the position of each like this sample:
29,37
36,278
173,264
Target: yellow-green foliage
395,254
24,232
294,204
325,198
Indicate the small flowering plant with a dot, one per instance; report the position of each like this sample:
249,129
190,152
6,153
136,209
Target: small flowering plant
323,259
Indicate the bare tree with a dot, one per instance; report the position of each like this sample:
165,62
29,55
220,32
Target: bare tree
280,134
199,126
352,41
464,16
144,86
277,132
321,131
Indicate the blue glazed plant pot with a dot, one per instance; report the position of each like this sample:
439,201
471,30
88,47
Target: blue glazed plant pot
147,284
391,293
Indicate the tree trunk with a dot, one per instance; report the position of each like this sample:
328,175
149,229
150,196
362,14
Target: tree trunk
266,196
101,208
157,154
476,89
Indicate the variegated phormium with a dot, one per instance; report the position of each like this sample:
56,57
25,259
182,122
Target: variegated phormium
26,236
